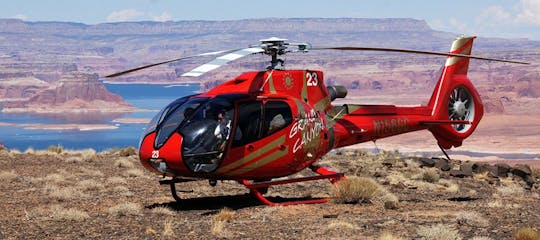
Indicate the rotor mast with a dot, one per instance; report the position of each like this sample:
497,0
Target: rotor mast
274,47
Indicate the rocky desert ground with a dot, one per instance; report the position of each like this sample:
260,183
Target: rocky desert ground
62,194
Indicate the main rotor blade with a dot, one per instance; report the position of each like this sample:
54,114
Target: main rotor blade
168,61
222,60
414,51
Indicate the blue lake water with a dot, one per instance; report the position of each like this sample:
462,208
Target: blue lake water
144,96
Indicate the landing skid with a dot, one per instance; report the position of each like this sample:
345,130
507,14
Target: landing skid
259,188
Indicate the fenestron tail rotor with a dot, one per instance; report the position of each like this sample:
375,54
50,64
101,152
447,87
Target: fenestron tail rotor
276,47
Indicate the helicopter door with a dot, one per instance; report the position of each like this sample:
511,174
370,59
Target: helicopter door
262,138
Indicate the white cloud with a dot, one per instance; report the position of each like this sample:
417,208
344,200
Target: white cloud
20,16
529,12
125,15
165,16
136,15
494,15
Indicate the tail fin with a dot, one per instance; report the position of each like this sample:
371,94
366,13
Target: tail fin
455,100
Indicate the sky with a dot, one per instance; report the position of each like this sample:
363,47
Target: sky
486,18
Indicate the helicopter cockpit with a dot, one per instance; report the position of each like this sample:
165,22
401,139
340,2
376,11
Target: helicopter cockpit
205,125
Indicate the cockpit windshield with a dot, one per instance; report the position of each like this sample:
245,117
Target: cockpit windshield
205,126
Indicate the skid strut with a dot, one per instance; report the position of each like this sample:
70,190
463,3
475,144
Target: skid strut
172,183
258,188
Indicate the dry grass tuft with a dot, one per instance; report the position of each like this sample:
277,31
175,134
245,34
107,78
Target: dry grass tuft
124,163
8,176
55,149
438,232
116,180
126,209
473,219
390,201
90,185
481,238
430,175
341,226
71,214
527,234
163,211
30,150
63,194
54,178
536,172
122,190
510,188
92,172
126,152
168,228
356,190
449,185
388,236
134,173
220,219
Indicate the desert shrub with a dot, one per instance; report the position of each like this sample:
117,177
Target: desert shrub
356,190
125,209
527,234
55,149
438,232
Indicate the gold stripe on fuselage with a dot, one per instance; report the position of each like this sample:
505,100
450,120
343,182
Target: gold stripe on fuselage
261,162
253,155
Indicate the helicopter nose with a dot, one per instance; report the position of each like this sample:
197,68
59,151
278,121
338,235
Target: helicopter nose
165,160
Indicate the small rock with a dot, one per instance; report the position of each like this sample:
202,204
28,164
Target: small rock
467,169
442,164
427,162
457,173
502,169
521,170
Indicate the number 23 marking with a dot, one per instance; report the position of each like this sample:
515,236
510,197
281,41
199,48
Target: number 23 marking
312,79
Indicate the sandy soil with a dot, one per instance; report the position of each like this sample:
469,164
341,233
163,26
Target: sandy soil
108,196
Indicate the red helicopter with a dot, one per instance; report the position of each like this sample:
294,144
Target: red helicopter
269,124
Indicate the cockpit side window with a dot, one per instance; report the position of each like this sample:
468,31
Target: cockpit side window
277,115
249,123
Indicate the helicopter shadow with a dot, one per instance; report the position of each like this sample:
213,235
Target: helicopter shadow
215,203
